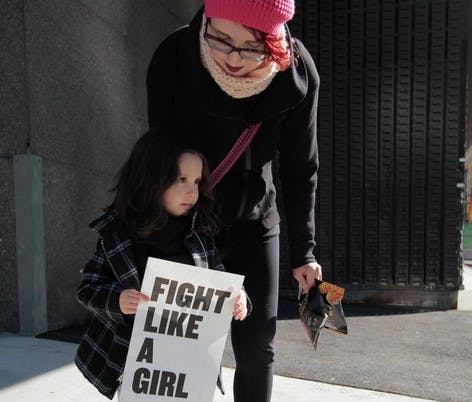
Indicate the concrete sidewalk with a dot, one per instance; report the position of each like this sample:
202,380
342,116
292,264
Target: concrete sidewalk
389,353
40,370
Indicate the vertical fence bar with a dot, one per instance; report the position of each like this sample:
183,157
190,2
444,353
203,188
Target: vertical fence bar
325,200
356,142
387,138
454,140
371,162
341,134
419,97
402,145
435,144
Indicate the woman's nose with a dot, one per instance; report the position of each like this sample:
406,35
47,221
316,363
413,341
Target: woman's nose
234,58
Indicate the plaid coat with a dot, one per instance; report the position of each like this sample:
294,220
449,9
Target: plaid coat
101,355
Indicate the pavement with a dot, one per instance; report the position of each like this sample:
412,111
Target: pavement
391,354
40,370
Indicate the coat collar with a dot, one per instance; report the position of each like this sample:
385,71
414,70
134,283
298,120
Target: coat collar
119,247
104,222
109,222
287,89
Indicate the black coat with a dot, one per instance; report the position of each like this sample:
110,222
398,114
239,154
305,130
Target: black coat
101,355
182,93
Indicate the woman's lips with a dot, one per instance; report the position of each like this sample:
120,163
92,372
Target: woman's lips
232,69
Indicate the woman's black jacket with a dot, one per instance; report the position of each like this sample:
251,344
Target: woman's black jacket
182,94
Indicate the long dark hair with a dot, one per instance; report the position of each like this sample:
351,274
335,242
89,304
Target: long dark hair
150,170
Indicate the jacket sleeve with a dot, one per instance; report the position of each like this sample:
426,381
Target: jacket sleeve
100,290
298,152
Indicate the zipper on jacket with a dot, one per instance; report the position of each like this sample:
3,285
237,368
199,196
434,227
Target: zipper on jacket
203,249
247,169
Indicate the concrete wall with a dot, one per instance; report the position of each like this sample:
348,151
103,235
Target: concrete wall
72,79
14,129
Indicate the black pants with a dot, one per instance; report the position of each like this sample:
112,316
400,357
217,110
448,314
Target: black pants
253,338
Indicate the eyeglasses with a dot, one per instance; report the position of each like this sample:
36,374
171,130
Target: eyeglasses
222,46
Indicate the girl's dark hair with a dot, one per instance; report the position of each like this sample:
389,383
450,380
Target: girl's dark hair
150,170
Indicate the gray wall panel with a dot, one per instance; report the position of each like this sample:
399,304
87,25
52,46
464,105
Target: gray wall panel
13,86
73,81
14,124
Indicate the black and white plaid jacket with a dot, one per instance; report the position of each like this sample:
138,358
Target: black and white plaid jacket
101,355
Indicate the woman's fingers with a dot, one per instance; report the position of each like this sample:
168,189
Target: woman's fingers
307,275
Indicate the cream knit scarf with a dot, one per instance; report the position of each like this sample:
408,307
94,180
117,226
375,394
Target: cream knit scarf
236,87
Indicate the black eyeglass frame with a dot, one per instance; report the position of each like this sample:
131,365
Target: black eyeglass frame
232,48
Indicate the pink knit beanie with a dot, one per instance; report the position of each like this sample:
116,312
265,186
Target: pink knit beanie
264,15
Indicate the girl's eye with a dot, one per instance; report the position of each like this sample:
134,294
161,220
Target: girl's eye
198,181
181,180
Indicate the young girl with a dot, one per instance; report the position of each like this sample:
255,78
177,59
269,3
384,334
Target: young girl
162,208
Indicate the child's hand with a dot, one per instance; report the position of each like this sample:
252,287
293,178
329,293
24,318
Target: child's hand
129,299
240,306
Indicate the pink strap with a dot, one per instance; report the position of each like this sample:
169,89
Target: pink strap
233,155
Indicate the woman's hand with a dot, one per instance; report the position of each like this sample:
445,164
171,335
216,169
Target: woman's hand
307,274
129,300
240,306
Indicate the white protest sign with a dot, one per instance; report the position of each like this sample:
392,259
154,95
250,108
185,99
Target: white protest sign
179,335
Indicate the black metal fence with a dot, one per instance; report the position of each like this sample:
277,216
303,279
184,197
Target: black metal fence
391,138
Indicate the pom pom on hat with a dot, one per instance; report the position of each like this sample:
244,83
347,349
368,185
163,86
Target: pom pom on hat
267,16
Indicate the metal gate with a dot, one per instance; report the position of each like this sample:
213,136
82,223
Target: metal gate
391,142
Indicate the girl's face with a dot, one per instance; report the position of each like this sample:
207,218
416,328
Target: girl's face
182,195
239,36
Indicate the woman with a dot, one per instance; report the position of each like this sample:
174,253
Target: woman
233,66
